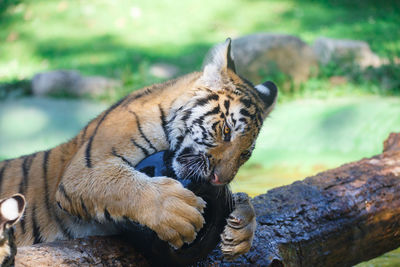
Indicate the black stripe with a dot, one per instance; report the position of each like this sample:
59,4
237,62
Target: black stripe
60,224
205,100
214,111
244,112
253,92
46,184
163,122
144,150
186,116
84,133
89,145
49,206
247,82
26,166
85,210
141,131
114,152
227,103
139,94
246,102
35,227
240,89
214,125
2,171
87,153
204,143
179,142
107,215
61,188
259,118
233,120
22,224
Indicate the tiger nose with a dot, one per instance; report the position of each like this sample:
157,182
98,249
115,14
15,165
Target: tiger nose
223,176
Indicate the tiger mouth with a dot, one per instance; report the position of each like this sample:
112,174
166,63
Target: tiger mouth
215,180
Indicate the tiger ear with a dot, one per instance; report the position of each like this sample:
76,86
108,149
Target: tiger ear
268,92
11,210
217,63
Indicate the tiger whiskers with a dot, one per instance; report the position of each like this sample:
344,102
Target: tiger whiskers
194,166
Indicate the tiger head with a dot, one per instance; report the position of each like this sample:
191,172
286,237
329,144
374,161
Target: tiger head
214,133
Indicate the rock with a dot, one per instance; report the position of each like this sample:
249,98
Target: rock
338,80
54,81
345,52
71,82
95,85
260,56
163,70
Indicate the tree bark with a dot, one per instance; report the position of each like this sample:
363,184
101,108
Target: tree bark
339,217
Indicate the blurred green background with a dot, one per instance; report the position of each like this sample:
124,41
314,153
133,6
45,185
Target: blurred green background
316,126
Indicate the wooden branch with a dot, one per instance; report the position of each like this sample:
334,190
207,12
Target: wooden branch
337,218
92,251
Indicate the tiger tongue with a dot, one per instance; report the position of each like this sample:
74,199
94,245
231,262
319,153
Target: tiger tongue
216,180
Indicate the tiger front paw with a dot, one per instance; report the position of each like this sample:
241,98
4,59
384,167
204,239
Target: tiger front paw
175,213
238,234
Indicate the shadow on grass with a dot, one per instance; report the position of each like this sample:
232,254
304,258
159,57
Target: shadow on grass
106,55
375,22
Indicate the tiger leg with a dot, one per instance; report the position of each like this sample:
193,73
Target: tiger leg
238,234
113,191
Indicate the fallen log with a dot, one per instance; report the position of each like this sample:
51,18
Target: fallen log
339,217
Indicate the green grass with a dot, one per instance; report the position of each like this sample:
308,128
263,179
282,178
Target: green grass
390,259
117,39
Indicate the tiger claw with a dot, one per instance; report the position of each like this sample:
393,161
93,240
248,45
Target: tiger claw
238,234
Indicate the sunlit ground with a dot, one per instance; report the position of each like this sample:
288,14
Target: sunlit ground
307,136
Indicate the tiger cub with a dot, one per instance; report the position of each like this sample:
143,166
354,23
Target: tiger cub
209,120
11,210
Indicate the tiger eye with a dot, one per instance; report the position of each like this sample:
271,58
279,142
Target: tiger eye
227,133
227,130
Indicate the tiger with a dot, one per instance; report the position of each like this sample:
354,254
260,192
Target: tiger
11,210
80,187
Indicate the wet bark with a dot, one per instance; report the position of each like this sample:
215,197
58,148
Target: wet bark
92,251
339,217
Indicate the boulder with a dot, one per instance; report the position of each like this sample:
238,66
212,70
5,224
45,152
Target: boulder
262,56
71,82
163,70
95,85
345,52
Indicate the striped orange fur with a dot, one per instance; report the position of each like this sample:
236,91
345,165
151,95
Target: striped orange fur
78,187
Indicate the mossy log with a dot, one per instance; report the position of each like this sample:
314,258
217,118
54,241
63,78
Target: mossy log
339,217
